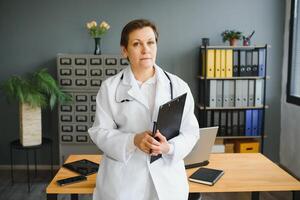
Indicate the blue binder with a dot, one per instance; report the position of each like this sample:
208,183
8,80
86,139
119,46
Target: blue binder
254,122
248,131
261,62
260,122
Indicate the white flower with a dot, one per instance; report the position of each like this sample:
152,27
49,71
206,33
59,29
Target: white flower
91,24
97,31
104,25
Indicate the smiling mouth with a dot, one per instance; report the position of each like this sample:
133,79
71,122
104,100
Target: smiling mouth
145,59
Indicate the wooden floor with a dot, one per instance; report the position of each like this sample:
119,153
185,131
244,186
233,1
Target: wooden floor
18,191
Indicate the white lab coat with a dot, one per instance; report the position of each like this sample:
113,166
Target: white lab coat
123,166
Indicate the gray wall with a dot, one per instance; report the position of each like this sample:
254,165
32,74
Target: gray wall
290,115
32,33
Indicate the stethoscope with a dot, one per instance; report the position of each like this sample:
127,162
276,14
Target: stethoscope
127,100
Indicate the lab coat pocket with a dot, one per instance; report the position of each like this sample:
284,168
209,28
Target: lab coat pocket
113,173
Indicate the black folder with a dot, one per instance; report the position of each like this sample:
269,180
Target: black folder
169,119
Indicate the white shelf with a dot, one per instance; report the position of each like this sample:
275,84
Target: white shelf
231,108
232,78
236,47
241,137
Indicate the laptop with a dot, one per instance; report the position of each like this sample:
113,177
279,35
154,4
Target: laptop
200,153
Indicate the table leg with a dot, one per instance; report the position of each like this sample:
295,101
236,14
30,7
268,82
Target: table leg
194,196
51,158
296,195
35,163
11,165
255,196
51,196
28,173
74,196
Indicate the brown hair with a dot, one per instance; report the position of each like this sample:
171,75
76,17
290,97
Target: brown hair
134,25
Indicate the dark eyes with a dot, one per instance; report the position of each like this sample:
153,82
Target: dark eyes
136,44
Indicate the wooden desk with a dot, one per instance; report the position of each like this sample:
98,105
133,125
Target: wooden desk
243,173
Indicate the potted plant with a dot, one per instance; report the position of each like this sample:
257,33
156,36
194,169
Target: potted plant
34,92
232,36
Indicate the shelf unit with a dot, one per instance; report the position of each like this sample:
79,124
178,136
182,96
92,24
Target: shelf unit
239,79
81,76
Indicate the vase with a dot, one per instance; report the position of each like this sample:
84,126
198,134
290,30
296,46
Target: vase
97,46
232,42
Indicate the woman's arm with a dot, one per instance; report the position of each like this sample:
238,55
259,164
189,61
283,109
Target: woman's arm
105,134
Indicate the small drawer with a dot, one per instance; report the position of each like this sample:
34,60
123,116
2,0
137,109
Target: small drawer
67,128
65,82
66,118
95,61
80,72
81,98
247,146
93,108
81,118
81,128
80,61
81,138
81,108
65,61
110,61
65,72
96,72
81,82
96,82
124,61
66,108
111,72
66,138
93,97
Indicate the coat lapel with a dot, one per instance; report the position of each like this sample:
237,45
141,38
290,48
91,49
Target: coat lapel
129,89
163,93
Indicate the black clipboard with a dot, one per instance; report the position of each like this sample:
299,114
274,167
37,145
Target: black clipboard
169,119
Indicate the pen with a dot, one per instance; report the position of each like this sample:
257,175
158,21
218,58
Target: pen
154,129
153,132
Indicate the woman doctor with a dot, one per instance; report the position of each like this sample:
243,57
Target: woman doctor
127,106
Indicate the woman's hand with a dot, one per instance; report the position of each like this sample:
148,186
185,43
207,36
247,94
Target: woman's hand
145,142
163,147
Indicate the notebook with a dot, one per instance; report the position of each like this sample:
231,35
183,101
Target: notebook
206,176
83,167
200,153
169,119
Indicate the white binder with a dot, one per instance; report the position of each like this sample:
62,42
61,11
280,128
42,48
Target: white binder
228,97
259,85
251,93
238,93
219,94
244,93
212,93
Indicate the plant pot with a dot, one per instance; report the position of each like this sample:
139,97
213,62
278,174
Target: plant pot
30,125
232,42
97,46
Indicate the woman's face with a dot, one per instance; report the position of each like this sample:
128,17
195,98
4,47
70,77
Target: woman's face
141,49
